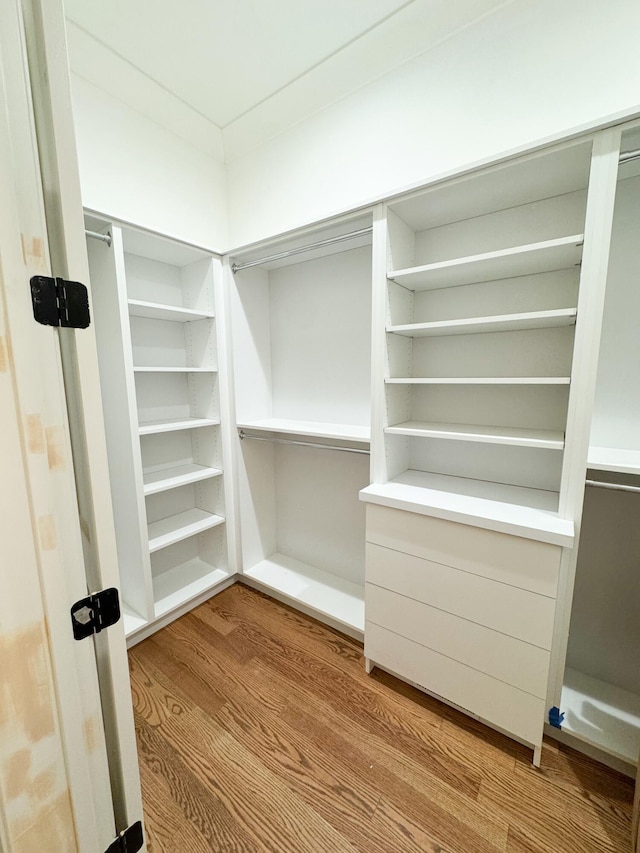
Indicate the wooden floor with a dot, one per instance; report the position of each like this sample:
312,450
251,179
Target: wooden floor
258,730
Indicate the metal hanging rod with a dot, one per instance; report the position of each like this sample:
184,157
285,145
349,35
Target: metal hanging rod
105,238
626,156
615,487
244,435
308,248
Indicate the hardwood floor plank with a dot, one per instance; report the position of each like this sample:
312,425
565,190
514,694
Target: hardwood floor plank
376,712
149,703
379,710
197,821
259,731
556,823
215,760
414,837
272,618
259,800
568,769
443,812
205,668
305,650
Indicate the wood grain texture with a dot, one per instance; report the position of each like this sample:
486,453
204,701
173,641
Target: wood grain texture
258,730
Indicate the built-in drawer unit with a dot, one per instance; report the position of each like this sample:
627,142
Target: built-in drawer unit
501,705
514,612
513,560
465,613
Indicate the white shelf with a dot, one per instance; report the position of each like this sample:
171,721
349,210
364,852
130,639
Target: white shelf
176,476
132,621
482,325
547,439
601,715
154,427
614,459
562,253
480,380
179,585
530,513
346,432
158,311
175,528
174,370
318,591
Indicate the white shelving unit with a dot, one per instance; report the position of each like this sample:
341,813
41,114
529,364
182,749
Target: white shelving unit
480,302
479,380
481,287
547,256
313,429
482,325
600,693
175,425
320,593
302,349
616,459
549,439
176,475
158,336
602,715
183,525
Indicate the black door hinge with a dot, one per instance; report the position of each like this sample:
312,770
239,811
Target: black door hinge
57,302
90,615
129,841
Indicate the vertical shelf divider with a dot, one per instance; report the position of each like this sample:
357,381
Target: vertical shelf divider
109,293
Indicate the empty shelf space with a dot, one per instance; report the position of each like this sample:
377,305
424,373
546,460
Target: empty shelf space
174,370
175,528
346,432
562,253
547,439
480,380
340,600
133,622
184,582
175,476
530,513
614,459
159,311
602,715
154,427
497,323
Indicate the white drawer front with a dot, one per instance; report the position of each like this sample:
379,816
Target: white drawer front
508,559
520,664
510,709
513,611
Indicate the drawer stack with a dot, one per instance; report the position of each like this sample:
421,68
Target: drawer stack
465,613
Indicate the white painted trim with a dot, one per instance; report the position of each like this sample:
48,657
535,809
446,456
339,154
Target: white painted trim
595,259
378,345
55,575
61,179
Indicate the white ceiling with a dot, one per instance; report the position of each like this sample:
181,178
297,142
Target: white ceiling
224,58
256,63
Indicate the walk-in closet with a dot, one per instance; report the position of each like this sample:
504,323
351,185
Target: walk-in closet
352,418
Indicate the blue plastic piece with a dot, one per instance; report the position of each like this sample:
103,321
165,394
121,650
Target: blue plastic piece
556,717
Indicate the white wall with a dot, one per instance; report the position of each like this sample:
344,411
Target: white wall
616,414
529,71
134,168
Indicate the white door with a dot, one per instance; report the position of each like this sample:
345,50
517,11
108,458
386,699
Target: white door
68,768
